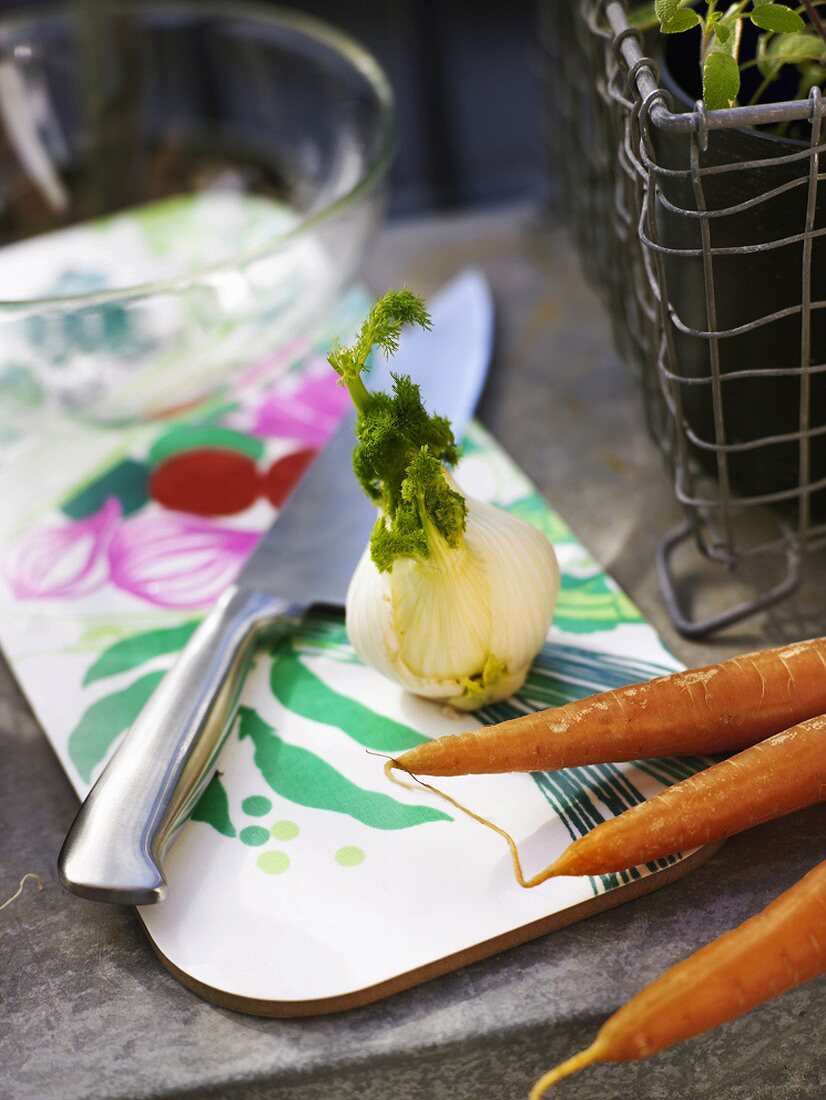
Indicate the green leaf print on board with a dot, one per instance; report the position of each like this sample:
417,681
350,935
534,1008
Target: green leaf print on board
585,603
104,720
186,437
305,694
300,776
129,653
213,807
533,509
588,603
321,633
128,481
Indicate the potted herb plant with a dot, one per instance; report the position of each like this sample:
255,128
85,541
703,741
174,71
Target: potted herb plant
732,221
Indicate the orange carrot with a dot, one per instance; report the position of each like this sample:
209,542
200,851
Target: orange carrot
770,779
719,708
779,948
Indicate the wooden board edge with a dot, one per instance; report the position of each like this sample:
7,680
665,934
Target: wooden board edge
513,938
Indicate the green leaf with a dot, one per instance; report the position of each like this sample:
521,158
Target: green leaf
777,18
764,66
721,80
726,30
812,76
665,10
723,31
105,720
299,775
793,49
129,653
682,20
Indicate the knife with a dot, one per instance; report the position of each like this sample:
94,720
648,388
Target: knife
114,850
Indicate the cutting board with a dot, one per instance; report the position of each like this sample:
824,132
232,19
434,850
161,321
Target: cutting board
305,881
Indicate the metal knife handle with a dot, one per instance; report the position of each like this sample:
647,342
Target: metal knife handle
113,850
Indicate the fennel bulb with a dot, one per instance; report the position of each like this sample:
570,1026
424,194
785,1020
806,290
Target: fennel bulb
452,597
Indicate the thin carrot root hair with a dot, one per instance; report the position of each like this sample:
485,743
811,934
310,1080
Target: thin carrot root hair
594,1053
21,884
527,883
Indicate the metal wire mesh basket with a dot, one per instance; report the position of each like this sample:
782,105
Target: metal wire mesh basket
706,233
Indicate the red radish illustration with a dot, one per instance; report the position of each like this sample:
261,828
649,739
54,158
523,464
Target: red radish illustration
213,481
284,473
206,481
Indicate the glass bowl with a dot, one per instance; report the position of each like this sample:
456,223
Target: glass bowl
184,187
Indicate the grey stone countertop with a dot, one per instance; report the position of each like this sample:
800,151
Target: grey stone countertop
86,1010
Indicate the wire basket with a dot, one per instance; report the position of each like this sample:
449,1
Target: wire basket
706,234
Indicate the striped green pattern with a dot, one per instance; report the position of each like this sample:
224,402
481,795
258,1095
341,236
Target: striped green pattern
584,797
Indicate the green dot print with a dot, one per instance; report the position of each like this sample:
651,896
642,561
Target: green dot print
273,863
254,835
256,805
284,830
349,856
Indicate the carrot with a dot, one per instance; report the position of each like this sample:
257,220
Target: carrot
770,779
778,949
719,708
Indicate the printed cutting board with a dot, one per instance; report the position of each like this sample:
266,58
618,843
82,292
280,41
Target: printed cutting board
305,881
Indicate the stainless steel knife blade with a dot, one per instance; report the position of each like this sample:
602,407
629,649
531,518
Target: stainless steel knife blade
310,551
115,847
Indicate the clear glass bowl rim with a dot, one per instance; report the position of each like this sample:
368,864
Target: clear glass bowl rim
347,47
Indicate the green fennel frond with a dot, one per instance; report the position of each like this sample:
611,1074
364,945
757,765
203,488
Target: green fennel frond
381,329
391,429
428,507
401,448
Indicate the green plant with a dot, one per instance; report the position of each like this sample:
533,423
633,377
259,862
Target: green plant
786,36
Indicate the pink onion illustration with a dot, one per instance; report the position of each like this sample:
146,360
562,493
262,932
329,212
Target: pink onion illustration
308,415
65,561
177,560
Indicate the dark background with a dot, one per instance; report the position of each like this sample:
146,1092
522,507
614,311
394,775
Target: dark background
466,78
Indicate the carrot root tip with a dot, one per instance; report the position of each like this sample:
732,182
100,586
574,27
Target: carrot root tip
519,874
554,870
395,778
20,887
594,1053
